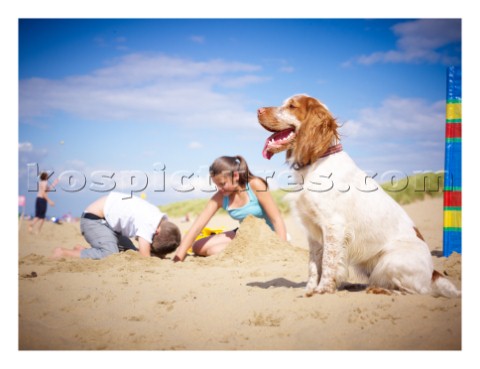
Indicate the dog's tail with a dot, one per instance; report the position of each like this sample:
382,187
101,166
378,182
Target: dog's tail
441,286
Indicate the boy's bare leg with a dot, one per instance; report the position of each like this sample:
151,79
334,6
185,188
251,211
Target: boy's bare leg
32,224
61,252
40,224
35,229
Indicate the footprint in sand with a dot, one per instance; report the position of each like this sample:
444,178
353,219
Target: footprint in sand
168,305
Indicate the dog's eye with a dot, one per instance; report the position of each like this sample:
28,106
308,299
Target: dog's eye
291,106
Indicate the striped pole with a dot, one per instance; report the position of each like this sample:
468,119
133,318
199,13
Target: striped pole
452,196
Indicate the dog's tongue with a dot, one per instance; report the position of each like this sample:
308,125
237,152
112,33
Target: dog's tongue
277,136
266,154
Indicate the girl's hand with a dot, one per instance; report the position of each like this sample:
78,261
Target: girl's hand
176,259
207,213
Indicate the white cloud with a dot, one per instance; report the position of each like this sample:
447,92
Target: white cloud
419,41
402,117
197,39
76,164
287,69
396,134
242,81
29,155
155,88
282,65
25,147
195,145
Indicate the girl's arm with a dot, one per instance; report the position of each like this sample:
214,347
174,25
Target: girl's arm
268,204
202,220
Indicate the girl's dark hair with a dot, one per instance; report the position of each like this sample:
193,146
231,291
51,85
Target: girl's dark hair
227,165
43,176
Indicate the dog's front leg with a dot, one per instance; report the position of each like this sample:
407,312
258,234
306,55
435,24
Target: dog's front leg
334,270
314,265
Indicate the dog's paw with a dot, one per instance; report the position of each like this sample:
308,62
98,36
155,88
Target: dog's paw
379,291
326,288
322,291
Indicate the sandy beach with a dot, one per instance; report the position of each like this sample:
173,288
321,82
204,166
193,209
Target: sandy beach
250,297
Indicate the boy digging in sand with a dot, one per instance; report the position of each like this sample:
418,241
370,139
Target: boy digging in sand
107,220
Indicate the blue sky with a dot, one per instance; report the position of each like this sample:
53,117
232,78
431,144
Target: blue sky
129,97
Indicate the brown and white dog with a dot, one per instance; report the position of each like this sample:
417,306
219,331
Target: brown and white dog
347,223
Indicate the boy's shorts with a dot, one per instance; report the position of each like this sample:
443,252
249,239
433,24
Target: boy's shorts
40,208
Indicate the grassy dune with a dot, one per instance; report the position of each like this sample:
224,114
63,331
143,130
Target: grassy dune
416,187
404,191
180,208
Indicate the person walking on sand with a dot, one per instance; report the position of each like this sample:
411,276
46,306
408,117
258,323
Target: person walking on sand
117,216
241,194
41,203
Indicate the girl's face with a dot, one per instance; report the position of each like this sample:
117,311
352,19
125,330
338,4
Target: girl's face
226,184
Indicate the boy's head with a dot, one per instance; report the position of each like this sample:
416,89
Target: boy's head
166,240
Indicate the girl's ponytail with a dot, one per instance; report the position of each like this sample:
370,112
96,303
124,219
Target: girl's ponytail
244,173
229,165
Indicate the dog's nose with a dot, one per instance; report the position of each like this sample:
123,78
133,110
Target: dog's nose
260,111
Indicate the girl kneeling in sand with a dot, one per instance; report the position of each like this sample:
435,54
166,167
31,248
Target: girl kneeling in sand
240,193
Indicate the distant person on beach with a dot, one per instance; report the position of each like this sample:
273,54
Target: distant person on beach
241,194
109,221
41,203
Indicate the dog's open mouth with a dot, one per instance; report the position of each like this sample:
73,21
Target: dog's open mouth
278,142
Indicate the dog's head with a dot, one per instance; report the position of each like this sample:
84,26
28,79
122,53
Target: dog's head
302,125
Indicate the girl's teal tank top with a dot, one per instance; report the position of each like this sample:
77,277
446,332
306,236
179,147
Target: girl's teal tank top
253,207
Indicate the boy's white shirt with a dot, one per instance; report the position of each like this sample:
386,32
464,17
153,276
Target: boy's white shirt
132,216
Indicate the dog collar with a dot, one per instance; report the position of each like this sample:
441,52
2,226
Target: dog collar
332,150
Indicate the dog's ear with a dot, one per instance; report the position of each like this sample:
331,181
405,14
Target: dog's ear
316,133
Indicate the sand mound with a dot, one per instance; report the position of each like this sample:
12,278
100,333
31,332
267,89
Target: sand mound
255,240
453,266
